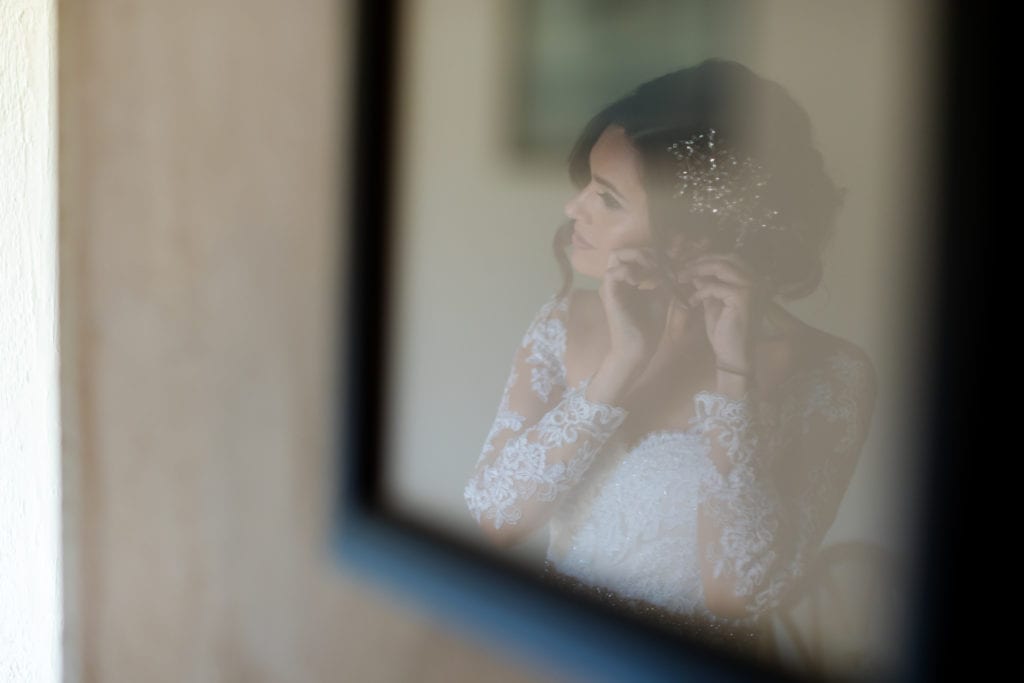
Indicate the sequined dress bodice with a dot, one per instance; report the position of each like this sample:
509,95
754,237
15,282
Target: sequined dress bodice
630,524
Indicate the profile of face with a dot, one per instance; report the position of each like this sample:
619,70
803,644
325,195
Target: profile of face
609,212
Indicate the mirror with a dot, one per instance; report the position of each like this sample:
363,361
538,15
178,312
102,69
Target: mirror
717,434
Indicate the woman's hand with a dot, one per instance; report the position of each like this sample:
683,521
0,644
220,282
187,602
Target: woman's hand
728,291
636,292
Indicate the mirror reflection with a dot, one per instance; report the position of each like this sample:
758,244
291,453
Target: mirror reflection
665,361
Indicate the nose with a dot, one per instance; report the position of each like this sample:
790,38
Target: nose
574,207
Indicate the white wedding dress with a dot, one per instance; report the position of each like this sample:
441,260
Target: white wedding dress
624,517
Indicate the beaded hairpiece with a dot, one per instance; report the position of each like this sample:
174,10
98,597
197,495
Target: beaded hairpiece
718,182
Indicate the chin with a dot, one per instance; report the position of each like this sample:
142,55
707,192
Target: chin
585,262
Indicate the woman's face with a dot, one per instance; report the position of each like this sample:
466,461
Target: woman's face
610,212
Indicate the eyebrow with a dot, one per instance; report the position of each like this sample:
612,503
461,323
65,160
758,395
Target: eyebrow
609,186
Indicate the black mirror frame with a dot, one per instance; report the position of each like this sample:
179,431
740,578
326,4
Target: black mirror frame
477,593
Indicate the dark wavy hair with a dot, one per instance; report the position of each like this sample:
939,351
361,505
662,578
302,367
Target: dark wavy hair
754,117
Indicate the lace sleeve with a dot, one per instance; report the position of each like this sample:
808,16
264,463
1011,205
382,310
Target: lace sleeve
774,488
545,434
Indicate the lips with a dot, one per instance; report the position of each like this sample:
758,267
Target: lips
580,241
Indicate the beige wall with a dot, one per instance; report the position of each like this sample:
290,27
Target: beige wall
198,227
198,235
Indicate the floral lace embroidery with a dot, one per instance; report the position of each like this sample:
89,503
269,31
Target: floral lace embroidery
744,508
543,348
546,340
505,419
837,399
634,528
521,472
753,547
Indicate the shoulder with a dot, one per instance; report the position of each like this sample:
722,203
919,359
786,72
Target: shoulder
574,313
585,322
554,307
824,353
586,333
849,365
550,322
841,386
829,405
548,326
584,309
824,367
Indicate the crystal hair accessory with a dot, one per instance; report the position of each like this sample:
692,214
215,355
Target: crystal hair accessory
719,182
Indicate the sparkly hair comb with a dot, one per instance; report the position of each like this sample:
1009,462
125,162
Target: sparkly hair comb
719,182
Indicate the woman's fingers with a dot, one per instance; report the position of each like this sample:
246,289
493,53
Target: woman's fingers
730,257
713,290
728,268
624,272
615,272
642,264
634,256
645,270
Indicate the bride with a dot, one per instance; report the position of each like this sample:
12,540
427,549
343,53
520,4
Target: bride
685,439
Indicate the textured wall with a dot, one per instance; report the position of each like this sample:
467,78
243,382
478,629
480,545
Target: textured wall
198,234
29,464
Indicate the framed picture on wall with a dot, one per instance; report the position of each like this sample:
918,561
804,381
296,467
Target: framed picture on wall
554,43
640,330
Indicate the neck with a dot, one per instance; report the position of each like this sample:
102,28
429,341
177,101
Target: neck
684,347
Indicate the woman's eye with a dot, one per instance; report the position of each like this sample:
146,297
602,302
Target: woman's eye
609,201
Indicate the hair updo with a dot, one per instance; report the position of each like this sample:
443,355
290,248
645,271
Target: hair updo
754,117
